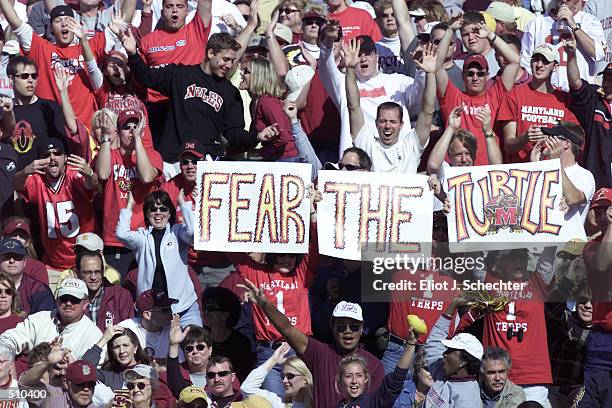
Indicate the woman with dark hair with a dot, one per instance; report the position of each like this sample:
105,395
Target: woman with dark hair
221,311
161,250
11,312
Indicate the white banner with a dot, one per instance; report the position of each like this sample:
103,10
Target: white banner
392,213
252,207
507,205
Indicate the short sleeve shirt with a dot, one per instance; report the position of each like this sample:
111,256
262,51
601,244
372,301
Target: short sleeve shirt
402,157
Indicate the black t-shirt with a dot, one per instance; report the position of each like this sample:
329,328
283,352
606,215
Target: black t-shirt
8,168
159,277
34,124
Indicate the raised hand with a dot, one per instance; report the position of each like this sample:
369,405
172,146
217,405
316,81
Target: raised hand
456,22
351,53
268,133
6,103
272,24
130,201
280,354
117,24
482,31
56,352
331,33
535,134
230,21
62,80
484,116
536,151
254,17
128,41
427,62
255,294
569,44
434,184
37,166
76,28
454,119
176,334
111,332
80,164
146,6
290,109
566,13
554,146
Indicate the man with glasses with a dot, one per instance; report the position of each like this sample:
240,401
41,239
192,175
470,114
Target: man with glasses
142,383
78,332
34,295
476,96
36,119
152,326
81,378
62,188
531,106
220,377
108,304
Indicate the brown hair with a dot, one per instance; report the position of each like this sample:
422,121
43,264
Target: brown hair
16,308
434,10
468,140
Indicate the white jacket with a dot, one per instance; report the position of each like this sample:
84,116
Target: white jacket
40,327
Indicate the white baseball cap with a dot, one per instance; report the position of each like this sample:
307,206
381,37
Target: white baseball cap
417,13
296,79
429,26
502,12
142,371
284,33
73,287
467,342
11,47
90,241
350,310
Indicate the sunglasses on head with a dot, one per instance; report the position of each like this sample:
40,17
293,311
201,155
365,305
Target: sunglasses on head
26,75
212,374
341,327
160,208
185,162
7,292
198,347
141,385
70,298
289,376
480,74
348,167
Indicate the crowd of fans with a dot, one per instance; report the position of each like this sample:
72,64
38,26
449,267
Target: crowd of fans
107,107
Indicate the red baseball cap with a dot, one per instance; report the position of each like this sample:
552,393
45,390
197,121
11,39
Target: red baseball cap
194,147
126,116
602,198
81,372
478,59
15,225
153,298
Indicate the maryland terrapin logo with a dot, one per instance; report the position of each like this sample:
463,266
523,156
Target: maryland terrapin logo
503,211
125,184
23,137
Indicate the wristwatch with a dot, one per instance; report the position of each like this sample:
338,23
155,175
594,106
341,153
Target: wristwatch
578,27
105,139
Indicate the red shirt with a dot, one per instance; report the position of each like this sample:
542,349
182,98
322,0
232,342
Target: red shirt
425,303
601,287
528,107
64,211
269,111
185,46
81,93
320,118
354,22
289,293
124,177
492,98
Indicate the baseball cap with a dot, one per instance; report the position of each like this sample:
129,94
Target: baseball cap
116,56
80,372
367,44
564,133
602,198
429,26
296,79
191,393
12,246
467,342
348,309
574,247
53,144
477,59
548,51
607,70
61,10
126,116
15,225
501,11
311,14
254,401
284,33
89,241
194,147
140,371
417,13
153,298
11,47
73,287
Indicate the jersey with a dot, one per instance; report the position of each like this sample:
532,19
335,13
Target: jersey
65,211
185,46
354,22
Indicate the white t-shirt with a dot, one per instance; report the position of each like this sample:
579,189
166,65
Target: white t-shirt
155,344
402,157
602,9
542,29
390,59
219,9
584,181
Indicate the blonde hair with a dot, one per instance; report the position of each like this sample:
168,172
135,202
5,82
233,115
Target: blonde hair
345,362
299,4
264,79
298,365
104,111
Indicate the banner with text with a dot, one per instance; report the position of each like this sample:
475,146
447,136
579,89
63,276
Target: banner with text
252,207
384,213
515,204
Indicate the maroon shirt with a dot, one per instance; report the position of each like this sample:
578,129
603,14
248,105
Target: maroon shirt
269,110
37,270
322,361
320,118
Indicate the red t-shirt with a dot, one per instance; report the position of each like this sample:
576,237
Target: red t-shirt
492,98
81,93
289,293
320,118
354,22
65,211
426,303
528,107
269,110
124,177
185,46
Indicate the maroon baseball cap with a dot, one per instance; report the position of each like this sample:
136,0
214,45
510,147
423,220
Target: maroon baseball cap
153,298
602,198
15,225
81,372
194,147
126,116
477,59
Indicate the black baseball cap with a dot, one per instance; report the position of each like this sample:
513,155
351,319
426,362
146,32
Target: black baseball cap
12,246
563,132
367,44
53,144
61,10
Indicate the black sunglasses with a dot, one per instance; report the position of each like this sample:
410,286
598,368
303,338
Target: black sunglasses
212,374
70,298
161,208
7,292
341,328
311,21
287,11
134,384
185,162
129,125
26,75
348,167
55,152
289,376
480,74
199,347
436,41
89,384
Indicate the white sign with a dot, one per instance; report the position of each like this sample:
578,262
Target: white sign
390,212
252,207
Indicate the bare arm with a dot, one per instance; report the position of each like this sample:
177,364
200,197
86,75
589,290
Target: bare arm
204,11
62,81
493,151
103,159
573,73
423,125
405,29
9,13
8,117
351,58
128,8
445,42
438,153
275,52
245,35
509,53
146,170
583,40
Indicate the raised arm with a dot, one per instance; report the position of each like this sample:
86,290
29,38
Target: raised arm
35,373
62,81
441,75
245,35
438,153
502,48
428,106
573,73
275,52
128,8
7,125
583,40
176,382
351,59
148,173
103,159
204,11
9,13
493,151
404,23
36,167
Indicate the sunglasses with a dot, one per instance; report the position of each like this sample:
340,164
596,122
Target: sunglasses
129,126
212,374
311,21
26,75
424,38
7,292
199,347
141,385
55,152
436,41
161,208
185,162
211,308
70,298
480,74
348,167
341,328
287,11
89,384
290,376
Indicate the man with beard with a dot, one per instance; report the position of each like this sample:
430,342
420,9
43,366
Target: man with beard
81,377
64,199
495,387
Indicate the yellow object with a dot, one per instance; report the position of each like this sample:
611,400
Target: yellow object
417,324
489,21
